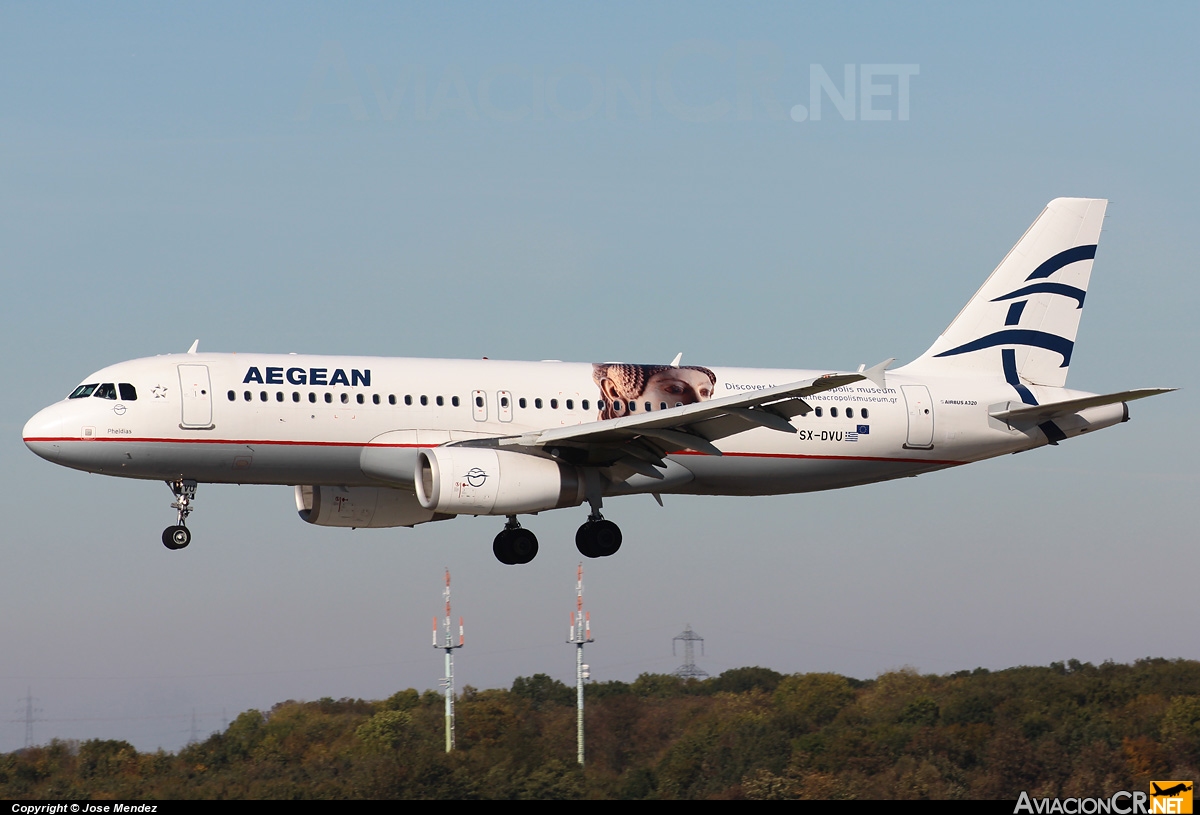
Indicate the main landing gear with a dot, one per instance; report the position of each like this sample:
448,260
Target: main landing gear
598,537
179,536
515,544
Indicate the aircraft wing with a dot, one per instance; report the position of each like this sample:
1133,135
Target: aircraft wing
641,441
1036,414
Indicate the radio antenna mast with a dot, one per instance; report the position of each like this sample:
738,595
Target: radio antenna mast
448,645
580,633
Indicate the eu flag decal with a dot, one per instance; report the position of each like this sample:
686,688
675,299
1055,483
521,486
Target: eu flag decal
864,429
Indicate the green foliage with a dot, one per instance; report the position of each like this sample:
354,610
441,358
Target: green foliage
740,680
1181,728
922,711
812,700
402,700
105,758
1069,729
541,689
658,686
386,730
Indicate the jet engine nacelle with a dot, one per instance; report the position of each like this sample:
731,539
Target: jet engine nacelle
484,481
361,507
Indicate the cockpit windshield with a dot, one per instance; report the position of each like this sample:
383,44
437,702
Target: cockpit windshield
82,391
108,390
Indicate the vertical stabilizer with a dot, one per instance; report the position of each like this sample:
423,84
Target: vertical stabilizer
1022,322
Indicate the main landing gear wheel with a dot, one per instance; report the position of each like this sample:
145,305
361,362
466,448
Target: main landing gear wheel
176,537
179,536
598,538
515,545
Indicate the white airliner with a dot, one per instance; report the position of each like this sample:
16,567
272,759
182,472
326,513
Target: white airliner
381,442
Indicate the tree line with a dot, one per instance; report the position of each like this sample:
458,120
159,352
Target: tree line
1068,729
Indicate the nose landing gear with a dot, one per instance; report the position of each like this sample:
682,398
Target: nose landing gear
179,536
515,545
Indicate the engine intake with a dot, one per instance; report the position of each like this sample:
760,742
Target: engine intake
484,481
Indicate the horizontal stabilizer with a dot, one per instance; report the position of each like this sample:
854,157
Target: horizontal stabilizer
1036,414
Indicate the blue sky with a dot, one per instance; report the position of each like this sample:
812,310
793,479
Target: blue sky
608,182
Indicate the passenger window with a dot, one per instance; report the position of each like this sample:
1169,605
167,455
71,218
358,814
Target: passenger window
328,398
570,404
833,412
537,403
424,399
391,398
106,391
345,398
128,392
554,404
818,411
295,396
865,415
82,391
632,407
521,402
454,401
616,406
232,396
375,398
246,395
478,401
278,396
849,413
408,400
312,397
648,407
662,406
503,401
584,404
262,396
439,401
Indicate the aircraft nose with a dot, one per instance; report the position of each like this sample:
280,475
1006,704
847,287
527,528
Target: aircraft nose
43,433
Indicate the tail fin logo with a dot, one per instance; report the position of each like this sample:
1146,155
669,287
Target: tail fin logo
1064,258
1018,336
1045,288
1035,339
1014,336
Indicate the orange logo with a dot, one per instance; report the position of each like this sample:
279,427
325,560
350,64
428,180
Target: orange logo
1171,797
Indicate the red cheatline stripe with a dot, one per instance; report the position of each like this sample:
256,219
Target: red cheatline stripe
245,442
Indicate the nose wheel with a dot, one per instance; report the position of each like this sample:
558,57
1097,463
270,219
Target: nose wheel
176,537
598,537
179,536
515,545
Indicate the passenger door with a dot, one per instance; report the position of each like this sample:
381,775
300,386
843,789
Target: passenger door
195,397
920,416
